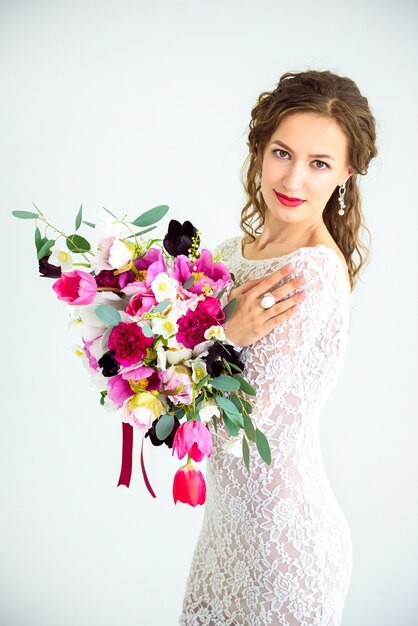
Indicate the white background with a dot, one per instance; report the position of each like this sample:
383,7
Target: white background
129,105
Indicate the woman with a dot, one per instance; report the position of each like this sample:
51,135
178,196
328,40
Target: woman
275,548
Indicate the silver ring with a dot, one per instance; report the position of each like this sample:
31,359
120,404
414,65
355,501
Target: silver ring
268,300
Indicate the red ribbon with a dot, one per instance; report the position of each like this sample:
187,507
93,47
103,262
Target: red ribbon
126,468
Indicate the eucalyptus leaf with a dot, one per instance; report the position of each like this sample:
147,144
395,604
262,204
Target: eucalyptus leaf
249,428
228,367
263,446
229,309
245,386
189,282
236,418
89,224
221,293
25,215
141,232
147,330
226,405
215,425
246,453
110,213
230,426
150,217
202,382
160,306
76,243
164,426
79,217
45,248
223,382
108,314
38,239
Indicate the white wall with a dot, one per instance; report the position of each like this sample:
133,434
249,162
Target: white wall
132,104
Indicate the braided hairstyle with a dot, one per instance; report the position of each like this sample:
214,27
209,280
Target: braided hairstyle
332,96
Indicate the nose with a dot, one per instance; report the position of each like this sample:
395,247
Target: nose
293,177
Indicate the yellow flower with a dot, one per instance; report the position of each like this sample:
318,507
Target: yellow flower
148,400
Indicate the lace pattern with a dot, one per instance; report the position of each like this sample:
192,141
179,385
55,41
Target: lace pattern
275,547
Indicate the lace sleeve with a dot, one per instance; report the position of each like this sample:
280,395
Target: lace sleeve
292,359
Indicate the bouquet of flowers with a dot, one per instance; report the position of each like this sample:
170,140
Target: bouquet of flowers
150,314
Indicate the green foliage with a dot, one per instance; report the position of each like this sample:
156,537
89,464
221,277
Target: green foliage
45,246
189,282
160,306
223,382
230,426
147,330
245,386
263,446
76,243
79,217
246,453
249,428
164,426
150,217
229,309
108,314
89,224
25,215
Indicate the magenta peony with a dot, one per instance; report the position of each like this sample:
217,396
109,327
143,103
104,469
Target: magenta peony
193,324
193,438
189,485
129,343
76,287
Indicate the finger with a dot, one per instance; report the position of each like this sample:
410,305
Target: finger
272,279
249,284
291,285
282,317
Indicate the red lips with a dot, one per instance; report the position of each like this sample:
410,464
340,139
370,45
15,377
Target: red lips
287,201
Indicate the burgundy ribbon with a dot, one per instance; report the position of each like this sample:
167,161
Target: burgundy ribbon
126,468
127,444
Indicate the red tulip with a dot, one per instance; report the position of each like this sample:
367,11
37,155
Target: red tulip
193,437
189,485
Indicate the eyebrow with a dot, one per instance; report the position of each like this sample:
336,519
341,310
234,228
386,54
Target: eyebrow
311,156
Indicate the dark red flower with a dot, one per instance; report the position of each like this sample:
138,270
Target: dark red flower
193,325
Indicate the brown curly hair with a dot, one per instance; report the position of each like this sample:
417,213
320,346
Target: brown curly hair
332,96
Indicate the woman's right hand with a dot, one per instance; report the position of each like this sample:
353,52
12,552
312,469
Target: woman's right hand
250,321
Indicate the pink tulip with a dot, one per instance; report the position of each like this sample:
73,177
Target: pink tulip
193,438
76,287
189,485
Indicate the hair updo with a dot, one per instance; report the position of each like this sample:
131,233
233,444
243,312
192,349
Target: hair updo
332,96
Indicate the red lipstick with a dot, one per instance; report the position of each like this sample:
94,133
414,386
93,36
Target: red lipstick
287,201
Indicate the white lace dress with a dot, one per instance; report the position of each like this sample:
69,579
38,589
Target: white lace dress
275,547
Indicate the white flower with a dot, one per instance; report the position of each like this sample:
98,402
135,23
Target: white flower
175,356
61,257
215,332
120,254
161,356
164,287
207,410
199,370
233,446
108,226
165,326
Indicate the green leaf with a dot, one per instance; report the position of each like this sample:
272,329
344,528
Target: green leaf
38,239
103,395
215,425
221,293
230,426
202,382
79,217
160,306
245,385
164,426
189,282
141,232
25,215
236,418
223,382
150,217
108,314
228,367
249,428
76,243
89,224
147,330
226,405
229,309
246,453
110,213
263,446
45,248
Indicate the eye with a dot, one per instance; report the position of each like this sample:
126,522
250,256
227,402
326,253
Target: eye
282,151
322,163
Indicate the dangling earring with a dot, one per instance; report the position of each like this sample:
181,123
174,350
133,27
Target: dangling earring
341,192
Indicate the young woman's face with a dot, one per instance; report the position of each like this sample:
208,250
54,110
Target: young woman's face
305,159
